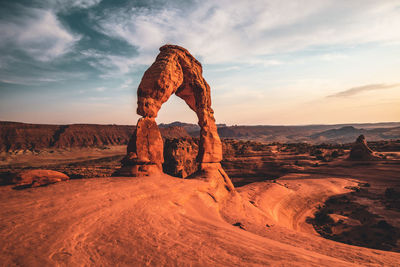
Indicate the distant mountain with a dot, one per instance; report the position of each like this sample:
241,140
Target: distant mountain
370,125
283,134
191,128
344,134
348,134
339,133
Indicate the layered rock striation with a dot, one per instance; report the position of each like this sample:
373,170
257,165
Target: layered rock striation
16,136
175,71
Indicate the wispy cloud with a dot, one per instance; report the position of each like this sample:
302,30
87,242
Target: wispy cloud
28,81
110,65
100,89
230,31
127,84
40,78
360,89
333,57
38,33
67,5
78,3
271,54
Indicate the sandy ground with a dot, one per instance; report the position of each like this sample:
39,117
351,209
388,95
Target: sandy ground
165,221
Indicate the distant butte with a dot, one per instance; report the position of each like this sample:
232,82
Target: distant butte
175,71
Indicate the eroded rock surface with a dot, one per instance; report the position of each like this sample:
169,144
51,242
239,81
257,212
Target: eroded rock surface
145,150
360,150
175,71
180,157
35,178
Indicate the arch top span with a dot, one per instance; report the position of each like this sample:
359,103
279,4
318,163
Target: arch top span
175,71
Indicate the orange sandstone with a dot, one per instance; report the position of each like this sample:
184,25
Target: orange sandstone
175,71
360,150
35,178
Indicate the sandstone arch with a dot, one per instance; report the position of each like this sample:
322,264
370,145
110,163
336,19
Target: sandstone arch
175,71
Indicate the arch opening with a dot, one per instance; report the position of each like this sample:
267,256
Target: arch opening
175,71
176,110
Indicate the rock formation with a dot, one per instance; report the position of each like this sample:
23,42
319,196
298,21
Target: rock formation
175,71
360,150
35,178
180,157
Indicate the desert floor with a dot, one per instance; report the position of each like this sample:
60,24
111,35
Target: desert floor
166,221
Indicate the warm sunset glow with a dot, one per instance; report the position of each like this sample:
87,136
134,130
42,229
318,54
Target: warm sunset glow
267,63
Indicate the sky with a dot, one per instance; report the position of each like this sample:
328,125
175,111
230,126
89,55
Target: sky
271,62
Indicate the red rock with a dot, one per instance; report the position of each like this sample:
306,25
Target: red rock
174,132
180,157
360,150
15,136
35,178
176,71
146,143
144,151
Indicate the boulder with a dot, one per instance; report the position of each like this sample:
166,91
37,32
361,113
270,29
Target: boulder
180,157
35,178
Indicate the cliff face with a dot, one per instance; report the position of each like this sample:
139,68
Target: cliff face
81,135
22,136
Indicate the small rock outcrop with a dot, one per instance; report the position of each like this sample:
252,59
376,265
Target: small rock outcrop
175,71
360,150
35,178
180,157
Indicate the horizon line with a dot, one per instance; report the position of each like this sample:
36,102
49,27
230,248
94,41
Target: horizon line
226,125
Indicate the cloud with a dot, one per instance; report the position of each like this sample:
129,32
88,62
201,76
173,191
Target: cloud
66,5
111,65
333,57
79,3
370,87
234,31
38,33
126,84
28,81
100,89
40,77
